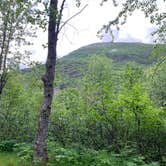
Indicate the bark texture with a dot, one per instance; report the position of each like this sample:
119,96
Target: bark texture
4,48
40,146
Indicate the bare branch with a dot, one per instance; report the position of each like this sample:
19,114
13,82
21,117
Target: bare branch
72,26
64,35
60,16
72,17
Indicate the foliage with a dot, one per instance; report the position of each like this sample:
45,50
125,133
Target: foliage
111,120
7,145
99,121
77,155
66,156
24,152
158,84
100,116
17,109
119,52
145,119
74,66
13,30
152,9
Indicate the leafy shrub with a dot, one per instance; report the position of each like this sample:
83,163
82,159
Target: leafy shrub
77,155
24,152
80,156
7,146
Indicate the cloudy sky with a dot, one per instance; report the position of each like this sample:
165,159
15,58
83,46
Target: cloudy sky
82,30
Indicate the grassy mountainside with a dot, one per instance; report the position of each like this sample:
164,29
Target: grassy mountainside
72,66
119,52
76,62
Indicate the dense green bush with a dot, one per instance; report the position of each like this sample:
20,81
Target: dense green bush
7,145
100,116
77,155
18,105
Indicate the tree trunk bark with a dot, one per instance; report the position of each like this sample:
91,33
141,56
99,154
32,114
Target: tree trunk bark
40,146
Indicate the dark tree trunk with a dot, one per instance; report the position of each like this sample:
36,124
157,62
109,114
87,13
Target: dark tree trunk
40,147
54,27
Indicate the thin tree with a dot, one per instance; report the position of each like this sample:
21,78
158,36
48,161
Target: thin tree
54,28
14,17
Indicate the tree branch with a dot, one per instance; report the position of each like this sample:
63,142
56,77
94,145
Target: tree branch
60,16
72,17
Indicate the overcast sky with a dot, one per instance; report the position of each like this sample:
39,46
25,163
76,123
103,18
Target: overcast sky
82,30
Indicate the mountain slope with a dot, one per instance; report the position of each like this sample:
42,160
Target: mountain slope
73,66
119,52
75,62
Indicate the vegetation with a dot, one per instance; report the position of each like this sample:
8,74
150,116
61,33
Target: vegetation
107,101
8,159
119,52
99,121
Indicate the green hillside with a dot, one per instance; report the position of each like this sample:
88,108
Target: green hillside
76,62
119,52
